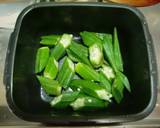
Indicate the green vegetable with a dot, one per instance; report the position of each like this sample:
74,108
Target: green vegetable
90,38
84,102
91,88
96,55
117,89
41,59
71,55
59,50
51,69
104,81
117,52
79,52
62,101
108,50
108,72
50,40
51,87
125,81
86,72
66,72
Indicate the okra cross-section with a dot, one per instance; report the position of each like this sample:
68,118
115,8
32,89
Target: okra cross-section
96,55
64,100
59,50
41,59
51,69
91,88
51,87
84,102
86,72
66,72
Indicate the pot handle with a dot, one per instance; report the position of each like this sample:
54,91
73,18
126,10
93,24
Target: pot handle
8,62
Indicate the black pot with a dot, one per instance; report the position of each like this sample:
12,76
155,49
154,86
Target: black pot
22,89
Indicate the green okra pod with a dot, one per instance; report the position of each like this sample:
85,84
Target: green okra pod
108,50
51,68
64,42
117,89
125,81
51,87
71,55
84,102
90,38
91,88
79,52
41,59
104,81
63,101
66,72
50,39
117,52
96,55
86,72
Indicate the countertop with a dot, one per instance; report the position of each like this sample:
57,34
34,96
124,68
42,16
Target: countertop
8,14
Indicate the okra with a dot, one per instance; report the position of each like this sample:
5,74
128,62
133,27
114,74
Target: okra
51,87
66,72
108,50
108,72
51,69
117,89
50,39
41,59
90,38
91,88
71,55
79,52
64,100
104,81
84,102
86,72
59,50
117,52
96,55
125,81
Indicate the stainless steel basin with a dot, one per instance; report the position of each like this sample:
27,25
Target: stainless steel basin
8,15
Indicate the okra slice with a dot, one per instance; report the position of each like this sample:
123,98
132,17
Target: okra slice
117,89
50,39
108,50
104,81
51,69
117,52
90,38
91,88
84,102
41,59
79,52
64,100
96,55
108,72
125,81
59,50
66,72
86,72
51,87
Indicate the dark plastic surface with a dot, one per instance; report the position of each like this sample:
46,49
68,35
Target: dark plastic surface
23,90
